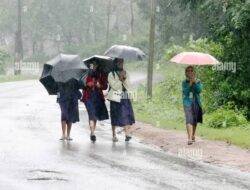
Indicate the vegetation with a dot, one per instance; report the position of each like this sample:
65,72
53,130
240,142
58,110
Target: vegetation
3,57
80,27
225,24
221,122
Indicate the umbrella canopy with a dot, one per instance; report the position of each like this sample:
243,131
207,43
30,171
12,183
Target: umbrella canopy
126,52
194,58
63,69
104,63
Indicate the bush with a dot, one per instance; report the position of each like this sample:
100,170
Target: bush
224,118
3,57
166,102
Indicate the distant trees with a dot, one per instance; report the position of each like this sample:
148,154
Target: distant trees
77,26
226,23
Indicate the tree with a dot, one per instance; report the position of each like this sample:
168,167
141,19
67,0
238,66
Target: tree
132,17
228,23
151,49
18,38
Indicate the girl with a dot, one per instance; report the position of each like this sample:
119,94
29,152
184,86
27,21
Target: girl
121,110
67,97
94,99
191,90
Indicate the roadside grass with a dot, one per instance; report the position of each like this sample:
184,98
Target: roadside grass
233,135
11,78
161,123
164,109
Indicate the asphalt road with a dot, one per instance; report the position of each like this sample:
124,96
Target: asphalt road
32,157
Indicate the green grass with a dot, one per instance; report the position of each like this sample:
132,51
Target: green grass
4,78
234,135
161,123
165,110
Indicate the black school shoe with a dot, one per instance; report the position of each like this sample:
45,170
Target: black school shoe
93,138
128,138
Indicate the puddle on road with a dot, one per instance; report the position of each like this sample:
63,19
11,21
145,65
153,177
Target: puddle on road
47,179
45,175
45,171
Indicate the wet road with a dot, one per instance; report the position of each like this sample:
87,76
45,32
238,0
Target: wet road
32,157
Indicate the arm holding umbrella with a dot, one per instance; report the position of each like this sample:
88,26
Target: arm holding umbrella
121,109
126,81
90,82
102,82
195,84
198,87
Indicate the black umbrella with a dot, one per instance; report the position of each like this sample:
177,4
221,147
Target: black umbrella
126,52
63,69
104,63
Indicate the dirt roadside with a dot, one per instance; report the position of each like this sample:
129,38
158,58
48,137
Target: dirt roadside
213,152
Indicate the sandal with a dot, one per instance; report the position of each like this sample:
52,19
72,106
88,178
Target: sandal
62,138
128,138
93,138
115,139
190,142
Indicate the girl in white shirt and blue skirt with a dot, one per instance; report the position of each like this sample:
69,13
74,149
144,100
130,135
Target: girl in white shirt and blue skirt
121,110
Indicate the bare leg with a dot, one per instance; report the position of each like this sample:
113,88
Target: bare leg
113,131
92,127
189,132
127,136
69,125
92,124
126,130
64,126
115,139
194,130
95,125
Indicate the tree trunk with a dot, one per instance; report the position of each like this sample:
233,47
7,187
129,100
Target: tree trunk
132,17
108,22
18,39
87,34
151,49
33,48
94,25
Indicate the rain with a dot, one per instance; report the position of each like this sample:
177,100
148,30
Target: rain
124,94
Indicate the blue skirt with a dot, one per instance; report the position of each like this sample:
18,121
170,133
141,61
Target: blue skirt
69,110
122,113
193,113
96,107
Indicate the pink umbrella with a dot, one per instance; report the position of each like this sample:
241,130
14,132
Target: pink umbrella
194,58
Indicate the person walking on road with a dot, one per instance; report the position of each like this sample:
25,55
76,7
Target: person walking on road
67,97
94,100
191,90
121,110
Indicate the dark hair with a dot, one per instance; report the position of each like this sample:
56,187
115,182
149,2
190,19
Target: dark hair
116,61
189,67
95,74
